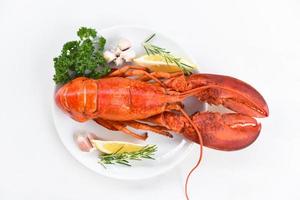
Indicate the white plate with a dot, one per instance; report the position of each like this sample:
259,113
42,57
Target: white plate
170,151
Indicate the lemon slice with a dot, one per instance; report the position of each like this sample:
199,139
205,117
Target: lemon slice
110,147
157,63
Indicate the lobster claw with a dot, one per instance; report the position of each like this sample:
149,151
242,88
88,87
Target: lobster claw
223,90
227,132
231,93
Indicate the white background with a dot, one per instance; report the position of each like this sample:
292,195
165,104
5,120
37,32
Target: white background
257,41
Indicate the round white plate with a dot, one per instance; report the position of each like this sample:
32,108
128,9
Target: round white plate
170,151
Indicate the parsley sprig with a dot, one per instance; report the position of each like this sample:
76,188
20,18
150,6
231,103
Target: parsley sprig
83,57
123,158
168,57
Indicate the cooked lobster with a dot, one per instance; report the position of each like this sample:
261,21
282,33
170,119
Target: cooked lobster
132,96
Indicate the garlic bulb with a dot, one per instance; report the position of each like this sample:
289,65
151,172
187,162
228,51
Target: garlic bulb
121,53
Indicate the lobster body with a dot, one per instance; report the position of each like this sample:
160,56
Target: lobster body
118,100
123,99
115,98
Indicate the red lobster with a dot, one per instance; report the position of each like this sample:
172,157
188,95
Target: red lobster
132,96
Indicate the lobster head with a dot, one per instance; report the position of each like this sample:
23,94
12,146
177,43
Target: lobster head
78,98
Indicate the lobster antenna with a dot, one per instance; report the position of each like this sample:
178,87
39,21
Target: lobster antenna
201,150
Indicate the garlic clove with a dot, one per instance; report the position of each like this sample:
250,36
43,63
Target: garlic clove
83,143
109,56
92,136
128,55
119,61
124,44
117,52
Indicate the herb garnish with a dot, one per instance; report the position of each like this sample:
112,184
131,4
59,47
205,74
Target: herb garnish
169,58
123,158
83,57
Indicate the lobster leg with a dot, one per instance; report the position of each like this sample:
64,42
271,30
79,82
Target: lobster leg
134,71
122,71
157,129
107,124
164,75
120,126
225,132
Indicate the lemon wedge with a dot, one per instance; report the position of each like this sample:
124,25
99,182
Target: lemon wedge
157,63
110,147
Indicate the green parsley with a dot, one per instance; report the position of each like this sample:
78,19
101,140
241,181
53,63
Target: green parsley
83,57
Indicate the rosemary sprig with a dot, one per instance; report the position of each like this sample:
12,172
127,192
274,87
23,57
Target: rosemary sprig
169,58
123,158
